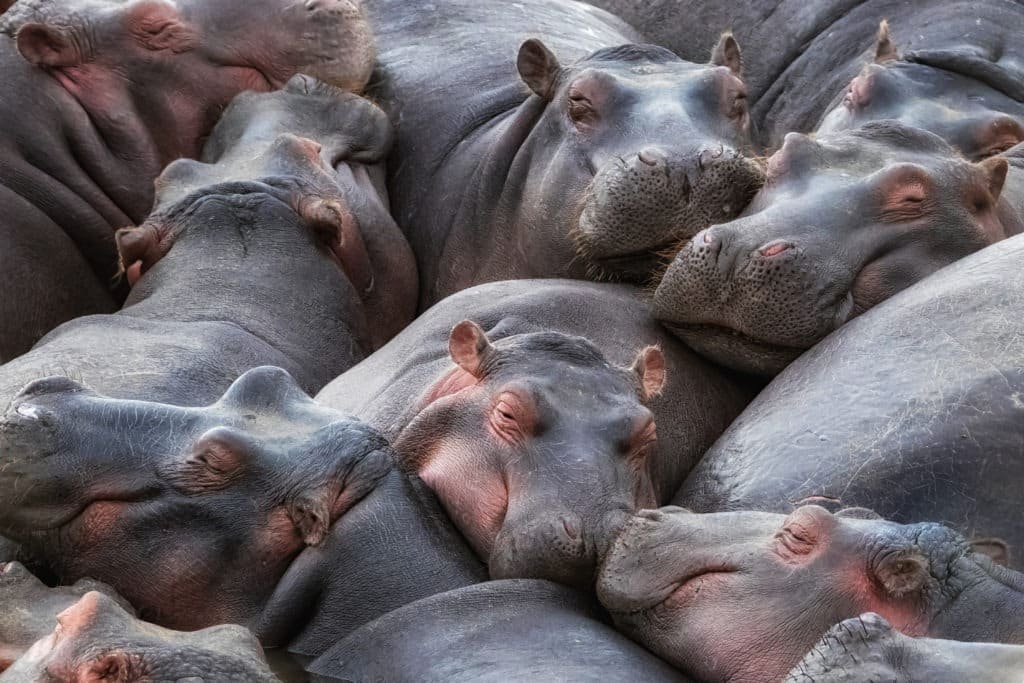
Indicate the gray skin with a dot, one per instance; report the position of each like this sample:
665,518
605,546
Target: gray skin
740,597
801,55
584,156
245,262
512,630
868,648
950,92
538,453
99,96
30,608
97,640
844,222
913,410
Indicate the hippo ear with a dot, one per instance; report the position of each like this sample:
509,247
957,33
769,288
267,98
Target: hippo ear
995,549
139,249
649,367
48,46
311,514
469,347
995,170
902,573
885,50
538,67
727,53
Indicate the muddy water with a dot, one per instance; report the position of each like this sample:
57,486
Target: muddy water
287,668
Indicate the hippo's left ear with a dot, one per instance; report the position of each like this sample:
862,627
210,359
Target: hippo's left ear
139,249
469,347
649,367
903,573
885,50
49,46
538,67
995,549
727,53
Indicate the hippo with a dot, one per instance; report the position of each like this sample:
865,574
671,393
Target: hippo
740,597
868,648
532,409
514,629
96,639
913,410
845,221
957,94
801,54
252,260
30,608
100,95
539,139
146,497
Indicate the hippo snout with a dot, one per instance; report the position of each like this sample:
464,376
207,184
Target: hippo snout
554,548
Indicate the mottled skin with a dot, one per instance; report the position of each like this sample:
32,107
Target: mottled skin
521,630
537,139
29,609
801,54
953,93
740,597
868,648
913,410
147,498
538,453
99,96
96,640
252,260
844,222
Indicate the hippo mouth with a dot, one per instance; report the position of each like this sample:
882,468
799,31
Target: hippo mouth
734,349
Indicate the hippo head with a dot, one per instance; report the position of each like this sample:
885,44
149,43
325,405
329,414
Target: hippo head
742,596
959,95
844,222
537,447
192,514
653,146
96,640
177,63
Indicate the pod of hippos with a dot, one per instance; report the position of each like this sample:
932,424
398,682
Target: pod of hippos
444,341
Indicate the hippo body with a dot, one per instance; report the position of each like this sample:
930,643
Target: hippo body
551,164
238,254
913,410
98,99
496,631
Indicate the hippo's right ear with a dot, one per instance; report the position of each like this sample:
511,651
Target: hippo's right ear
469,347
995,170
727,53
995,549
48,46
649,367
885,50
139,249
538,67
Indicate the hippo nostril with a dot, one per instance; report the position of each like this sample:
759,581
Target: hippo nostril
709,156
706,236
652,156
774,249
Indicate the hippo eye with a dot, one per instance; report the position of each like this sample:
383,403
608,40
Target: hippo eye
509,418
581,110
739,107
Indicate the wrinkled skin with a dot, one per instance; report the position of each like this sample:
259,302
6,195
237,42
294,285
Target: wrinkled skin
583,156
742,596
30,608
868,648
146,496
97,640
536,440
952,93
252,260
801,55
523,630
912,410
844,222
105,93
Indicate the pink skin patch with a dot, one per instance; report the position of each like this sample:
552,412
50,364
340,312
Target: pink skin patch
134,273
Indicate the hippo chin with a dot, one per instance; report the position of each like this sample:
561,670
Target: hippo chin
844,222
740,597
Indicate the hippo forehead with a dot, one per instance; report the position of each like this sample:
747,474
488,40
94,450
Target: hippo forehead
558,362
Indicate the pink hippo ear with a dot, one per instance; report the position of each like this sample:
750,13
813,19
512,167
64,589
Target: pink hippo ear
885,50
649,368
727,53
139,249
902,573
538,67
48,46
469,347
995,170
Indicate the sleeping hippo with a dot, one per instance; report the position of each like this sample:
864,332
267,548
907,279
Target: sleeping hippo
553,410
868,648
539,139
99,96
913,410
511,630
844,222
740,597
251,260
263,509
958,94
30,608
96,639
